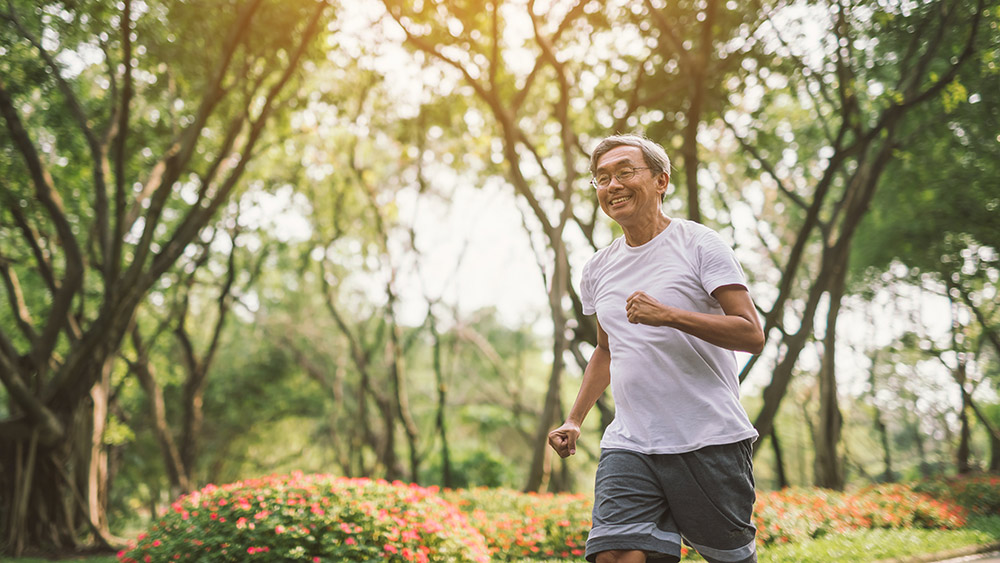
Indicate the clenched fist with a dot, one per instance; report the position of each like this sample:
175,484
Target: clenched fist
563,439
643,309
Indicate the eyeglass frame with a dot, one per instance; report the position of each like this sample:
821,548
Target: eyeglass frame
628,170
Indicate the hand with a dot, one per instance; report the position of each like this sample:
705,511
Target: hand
563,439
643,309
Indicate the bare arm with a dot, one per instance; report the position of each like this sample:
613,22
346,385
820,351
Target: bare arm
737,329
596,378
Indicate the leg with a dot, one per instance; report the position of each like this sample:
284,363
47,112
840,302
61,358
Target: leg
632,520
711,492
620,556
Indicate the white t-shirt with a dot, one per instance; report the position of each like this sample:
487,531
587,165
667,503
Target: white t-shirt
673,392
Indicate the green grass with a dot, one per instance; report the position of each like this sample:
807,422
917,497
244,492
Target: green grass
867,546
875,545
854,547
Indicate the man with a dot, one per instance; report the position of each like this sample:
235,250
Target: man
672,305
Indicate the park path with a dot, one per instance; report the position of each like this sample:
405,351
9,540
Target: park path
992,557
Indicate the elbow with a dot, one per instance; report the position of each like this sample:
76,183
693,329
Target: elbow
755,345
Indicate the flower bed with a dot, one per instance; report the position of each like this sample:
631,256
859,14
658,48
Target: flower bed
979,494
797,514
520,526
313,518
319,518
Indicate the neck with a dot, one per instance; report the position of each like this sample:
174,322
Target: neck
638,235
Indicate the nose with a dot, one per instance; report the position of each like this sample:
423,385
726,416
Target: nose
614,183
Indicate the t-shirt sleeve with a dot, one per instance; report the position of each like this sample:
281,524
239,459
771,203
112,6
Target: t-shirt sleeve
587,291
718,265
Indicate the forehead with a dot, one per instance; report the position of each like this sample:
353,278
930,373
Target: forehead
619,156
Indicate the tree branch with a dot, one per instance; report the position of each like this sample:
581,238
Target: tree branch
31,236
80,117
197,218
22,316
112,259
46,193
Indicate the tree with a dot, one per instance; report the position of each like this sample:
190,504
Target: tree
934,215
699,47
876,67
471,41
122,139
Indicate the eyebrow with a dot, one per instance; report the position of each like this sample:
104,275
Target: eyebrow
627,161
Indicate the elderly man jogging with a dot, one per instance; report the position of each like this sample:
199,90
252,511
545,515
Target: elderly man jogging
672,305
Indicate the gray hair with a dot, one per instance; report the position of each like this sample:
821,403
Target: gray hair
654,155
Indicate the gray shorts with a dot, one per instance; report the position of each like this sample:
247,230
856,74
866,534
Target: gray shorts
650,502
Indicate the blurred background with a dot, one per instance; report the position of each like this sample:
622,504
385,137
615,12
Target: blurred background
246,237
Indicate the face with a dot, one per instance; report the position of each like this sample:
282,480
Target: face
636,200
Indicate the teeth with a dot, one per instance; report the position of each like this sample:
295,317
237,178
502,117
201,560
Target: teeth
618,200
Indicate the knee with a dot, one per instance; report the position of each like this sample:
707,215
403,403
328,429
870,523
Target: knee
621,556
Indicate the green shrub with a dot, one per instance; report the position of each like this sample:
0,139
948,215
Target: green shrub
315,518
520,526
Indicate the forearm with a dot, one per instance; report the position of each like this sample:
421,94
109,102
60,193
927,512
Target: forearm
732,332
596,378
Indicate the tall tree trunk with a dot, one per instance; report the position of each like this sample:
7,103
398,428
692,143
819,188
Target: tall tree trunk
779,461
918,442
440,418
541,453
959,373
97,475
888,475
144,372
994,453
828,469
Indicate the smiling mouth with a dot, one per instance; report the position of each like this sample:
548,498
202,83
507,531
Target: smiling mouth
621,199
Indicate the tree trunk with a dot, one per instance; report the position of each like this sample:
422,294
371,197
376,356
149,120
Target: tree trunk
47,486
440,420
829,470
143,370
540,461
918,441
779,462
97,474
994,454
888,475
397,375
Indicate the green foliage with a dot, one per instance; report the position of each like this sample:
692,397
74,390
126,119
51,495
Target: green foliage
475,468
942,185
310,518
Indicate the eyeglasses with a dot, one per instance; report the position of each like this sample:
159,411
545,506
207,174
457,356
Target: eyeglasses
603,180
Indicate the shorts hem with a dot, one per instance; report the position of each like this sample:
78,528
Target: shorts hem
666,551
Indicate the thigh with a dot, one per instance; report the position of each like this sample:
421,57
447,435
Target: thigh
630,509
711,493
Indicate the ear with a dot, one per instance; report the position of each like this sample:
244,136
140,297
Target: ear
662,182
